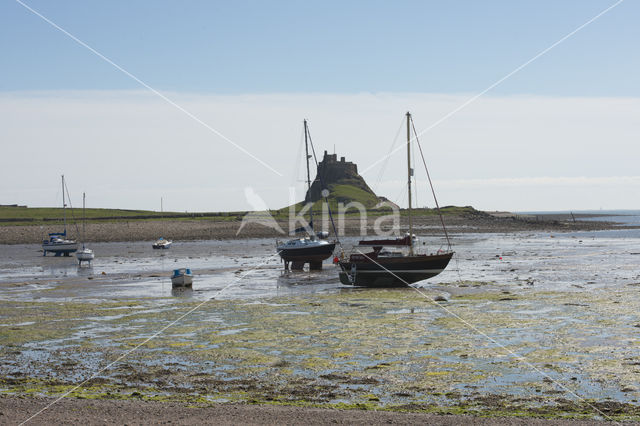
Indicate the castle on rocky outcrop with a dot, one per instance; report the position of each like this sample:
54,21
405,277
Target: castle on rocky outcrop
332,172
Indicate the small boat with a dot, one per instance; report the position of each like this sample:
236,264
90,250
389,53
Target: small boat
162,244
57,242
182,278
86,254
312,249
394,268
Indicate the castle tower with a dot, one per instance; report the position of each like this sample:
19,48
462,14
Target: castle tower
332,172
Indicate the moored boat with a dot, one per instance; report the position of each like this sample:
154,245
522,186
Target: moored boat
86,254
161,243
397,268
57,243
182,277
391,269
312,249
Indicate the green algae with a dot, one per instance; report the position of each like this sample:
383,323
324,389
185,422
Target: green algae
378,349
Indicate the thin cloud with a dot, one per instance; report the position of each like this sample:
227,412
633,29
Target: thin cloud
115,143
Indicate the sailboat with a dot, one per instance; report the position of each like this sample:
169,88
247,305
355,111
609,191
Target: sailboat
392,268
162,243
86,254
57,242
312,249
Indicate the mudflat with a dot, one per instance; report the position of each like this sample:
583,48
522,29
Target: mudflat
521,327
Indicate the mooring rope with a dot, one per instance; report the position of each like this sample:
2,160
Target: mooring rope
444,228
326,199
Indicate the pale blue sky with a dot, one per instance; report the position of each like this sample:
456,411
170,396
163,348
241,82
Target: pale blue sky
559,134
323,46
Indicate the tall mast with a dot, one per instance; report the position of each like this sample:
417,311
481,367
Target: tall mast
306,147
64,208
409,173
84,220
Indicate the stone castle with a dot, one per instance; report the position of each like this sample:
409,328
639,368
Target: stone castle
333,172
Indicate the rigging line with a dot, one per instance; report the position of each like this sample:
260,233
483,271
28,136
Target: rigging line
147,86
387,158
319,175
75,222
399,200
296,169
402,197
479,332
444,228
415,178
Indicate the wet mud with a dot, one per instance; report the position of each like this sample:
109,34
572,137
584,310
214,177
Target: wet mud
519,325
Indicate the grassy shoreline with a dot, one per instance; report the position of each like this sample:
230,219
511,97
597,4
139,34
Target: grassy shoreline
31,225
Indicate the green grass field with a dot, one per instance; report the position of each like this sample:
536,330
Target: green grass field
43,215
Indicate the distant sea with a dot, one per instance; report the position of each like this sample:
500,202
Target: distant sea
622,217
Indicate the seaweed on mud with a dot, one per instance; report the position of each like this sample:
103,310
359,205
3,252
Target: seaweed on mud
377,349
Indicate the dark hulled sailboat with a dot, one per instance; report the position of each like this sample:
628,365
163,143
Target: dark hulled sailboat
384,268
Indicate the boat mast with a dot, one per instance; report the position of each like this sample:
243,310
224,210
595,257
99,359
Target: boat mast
84,220
64,208
409,173
306,147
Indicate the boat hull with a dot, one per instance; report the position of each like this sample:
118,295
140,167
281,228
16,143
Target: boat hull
161,246
182,281
307,254
392,271
85,255
60,249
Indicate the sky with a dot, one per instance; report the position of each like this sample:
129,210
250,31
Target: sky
528,105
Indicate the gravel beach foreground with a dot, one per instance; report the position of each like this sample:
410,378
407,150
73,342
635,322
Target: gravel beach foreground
102,412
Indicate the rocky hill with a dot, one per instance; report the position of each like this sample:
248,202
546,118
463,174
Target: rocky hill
343,182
